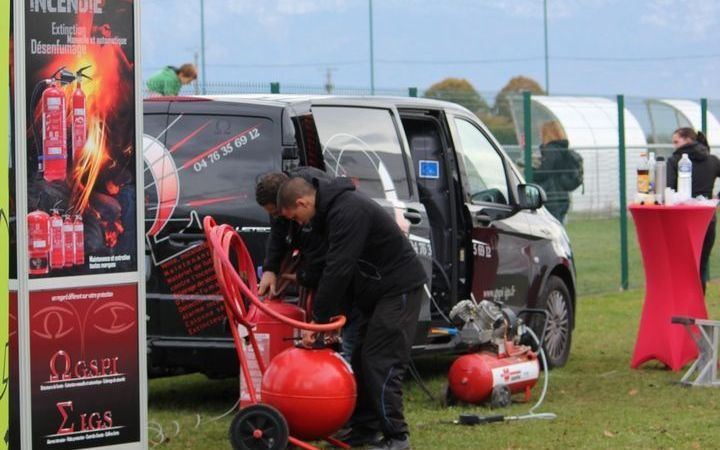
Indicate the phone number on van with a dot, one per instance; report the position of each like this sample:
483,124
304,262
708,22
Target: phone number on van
217,153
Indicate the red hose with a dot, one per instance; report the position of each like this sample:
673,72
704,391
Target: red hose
222,239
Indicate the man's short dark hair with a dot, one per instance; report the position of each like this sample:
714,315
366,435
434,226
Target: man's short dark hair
266,190
292,190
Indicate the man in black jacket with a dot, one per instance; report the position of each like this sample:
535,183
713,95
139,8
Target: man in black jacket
286,235
369,260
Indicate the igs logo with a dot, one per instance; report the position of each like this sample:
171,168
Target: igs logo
72,422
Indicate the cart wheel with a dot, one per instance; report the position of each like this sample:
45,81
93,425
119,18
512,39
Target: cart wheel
259,427
500,397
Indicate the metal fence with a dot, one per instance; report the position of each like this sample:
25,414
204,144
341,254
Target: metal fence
609,133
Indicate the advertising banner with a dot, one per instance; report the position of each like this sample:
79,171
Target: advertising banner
81,180
80,342
86,340
4,219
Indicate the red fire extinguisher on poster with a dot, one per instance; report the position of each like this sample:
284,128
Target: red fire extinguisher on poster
38,241
79,115
69,236
79,234
54,131
57,241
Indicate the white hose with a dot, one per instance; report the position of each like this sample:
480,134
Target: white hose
531,414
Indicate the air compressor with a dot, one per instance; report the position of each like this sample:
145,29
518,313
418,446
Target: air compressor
498,365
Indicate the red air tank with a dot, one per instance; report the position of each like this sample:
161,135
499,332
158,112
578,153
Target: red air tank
281,334
54,133
57,241
314,389
473,377
38,241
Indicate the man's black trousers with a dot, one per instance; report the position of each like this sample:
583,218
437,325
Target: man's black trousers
379,360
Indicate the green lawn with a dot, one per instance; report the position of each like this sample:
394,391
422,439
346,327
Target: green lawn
599,400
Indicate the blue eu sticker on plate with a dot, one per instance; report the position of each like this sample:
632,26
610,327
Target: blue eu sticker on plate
429,169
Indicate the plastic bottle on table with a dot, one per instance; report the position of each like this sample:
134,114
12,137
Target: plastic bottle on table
684,178
651,171
643,175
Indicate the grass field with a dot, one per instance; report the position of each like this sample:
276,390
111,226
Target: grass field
600,402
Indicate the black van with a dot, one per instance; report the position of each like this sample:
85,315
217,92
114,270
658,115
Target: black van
481,231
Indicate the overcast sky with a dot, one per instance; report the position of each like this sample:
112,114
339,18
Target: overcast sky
665,48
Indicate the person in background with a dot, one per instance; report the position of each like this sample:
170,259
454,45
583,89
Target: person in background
371,260
549,174
170,79
705,168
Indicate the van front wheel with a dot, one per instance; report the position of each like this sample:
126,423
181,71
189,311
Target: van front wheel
558,332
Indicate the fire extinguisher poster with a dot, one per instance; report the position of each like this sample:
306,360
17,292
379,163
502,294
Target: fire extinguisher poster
79,59
85,375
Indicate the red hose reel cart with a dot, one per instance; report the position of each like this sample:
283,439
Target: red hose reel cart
307,394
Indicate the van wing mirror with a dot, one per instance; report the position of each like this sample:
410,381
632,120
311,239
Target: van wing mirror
531,196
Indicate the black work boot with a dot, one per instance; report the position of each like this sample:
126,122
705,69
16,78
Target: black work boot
401,442
358,437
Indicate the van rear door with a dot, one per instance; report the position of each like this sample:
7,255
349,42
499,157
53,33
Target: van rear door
205,161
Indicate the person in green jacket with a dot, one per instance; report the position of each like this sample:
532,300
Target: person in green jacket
170,79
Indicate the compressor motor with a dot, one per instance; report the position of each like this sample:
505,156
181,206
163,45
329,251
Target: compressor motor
499,366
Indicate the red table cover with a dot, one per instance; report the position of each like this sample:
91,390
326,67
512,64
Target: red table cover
671,239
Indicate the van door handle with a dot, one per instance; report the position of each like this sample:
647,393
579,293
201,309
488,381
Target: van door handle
414,217
483,217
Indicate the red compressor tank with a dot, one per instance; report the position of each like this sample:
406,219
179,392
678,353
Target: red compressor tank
314,389
38,223
279,333
473,377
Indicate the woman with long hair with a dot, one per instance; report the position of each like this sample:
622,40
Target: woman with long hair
705,168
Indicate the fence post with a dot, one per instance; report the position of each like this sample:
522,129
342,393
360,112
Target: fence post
703,115
527,125
412,92
623,196
275,87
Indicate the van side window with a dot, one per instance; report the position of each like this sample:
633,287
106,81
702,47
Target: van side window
362,143
484,169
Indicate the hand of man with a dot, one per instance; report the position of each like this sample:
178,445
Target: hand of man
268,284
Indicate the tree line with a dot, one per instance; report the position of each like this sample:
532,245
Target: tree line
498,117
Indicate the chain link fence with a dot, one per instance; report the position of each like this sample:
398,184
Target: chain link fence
592,127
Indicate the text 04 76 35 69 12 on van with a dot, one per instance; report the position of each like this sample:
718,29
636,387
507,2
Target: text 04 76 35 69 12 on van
481,231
